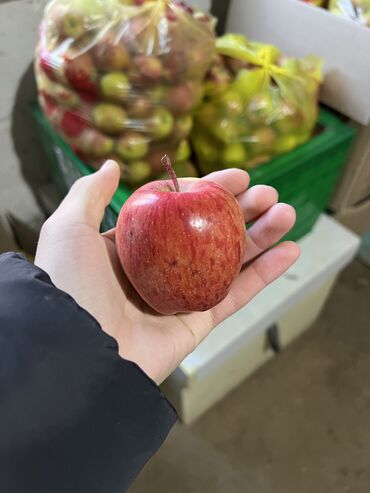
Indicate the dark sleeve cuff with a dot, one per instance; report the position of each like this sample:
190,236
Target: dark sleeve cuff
74,416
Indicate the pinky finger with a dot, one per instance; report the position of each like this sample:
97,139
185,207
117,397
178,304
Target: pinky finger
252,280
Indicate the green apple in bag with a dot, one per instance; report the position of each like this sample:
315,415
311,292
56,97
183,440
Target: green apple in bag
234,155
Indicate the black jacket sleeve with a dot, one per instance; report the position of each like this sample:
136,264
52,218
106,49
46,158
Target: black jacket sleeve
74,416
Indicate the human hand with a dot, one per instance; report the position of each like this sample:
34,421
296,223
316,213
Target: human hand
84,264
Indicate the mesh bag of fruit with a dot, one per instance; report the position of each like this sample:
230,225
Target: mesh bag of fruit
257,104
356,10
317,3
120,79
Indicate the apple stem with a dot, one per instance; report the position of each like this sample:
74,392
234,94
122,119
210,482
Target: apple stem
166,161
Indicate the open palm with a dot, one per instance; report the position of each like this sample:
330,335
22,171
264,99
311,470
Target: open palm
84,263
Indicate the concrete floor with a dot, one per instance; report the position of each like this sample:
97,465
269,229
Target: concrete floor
299,425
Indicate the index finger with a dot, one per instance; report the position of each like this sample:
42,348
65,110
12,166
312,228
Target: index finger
233,179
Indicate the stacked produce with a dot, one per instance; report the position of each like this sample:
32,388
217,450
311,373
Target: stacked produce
121,79
257,104
317,3
357,10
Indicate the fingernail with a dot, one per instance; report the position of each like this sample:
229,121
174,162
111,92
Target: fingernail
108,164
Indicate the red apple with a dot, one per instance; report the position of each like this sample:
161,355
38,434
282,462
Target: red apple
171,15
65,95
139,106
176,65
73,123
81,72
94,144
51,65
181,243
55,117
147,68
48,104
110,53
180,99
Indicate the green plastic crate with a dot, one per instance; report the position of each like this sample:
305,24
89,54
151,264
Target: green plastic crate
66,167
304,177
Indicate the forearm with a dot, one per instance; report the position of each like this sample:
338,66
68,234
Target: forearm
74,416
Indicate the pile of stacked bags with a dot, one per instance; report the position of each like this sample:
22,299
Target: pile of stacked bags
133,80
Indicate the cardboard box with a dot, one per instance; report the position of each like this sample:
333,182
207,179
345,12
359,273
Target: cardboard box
299,29
353,188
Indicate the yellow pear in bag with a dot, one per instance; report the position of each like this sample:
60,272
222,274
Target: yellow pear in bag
266,105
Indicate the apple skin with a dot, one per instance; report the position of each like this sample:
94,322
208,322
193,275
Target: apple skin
234,155
181,251
183,151
110,54
72,24
232,104
184,98
161,123
51,65
175,66
147,68
180,99
47,103
183,126
185,170
140,107
226,130
115,86
73,123
109,118
94,144
132,146
138,172
81,72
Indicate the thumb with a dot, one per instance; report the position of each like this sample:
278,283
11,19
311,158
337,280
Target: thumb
90,195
